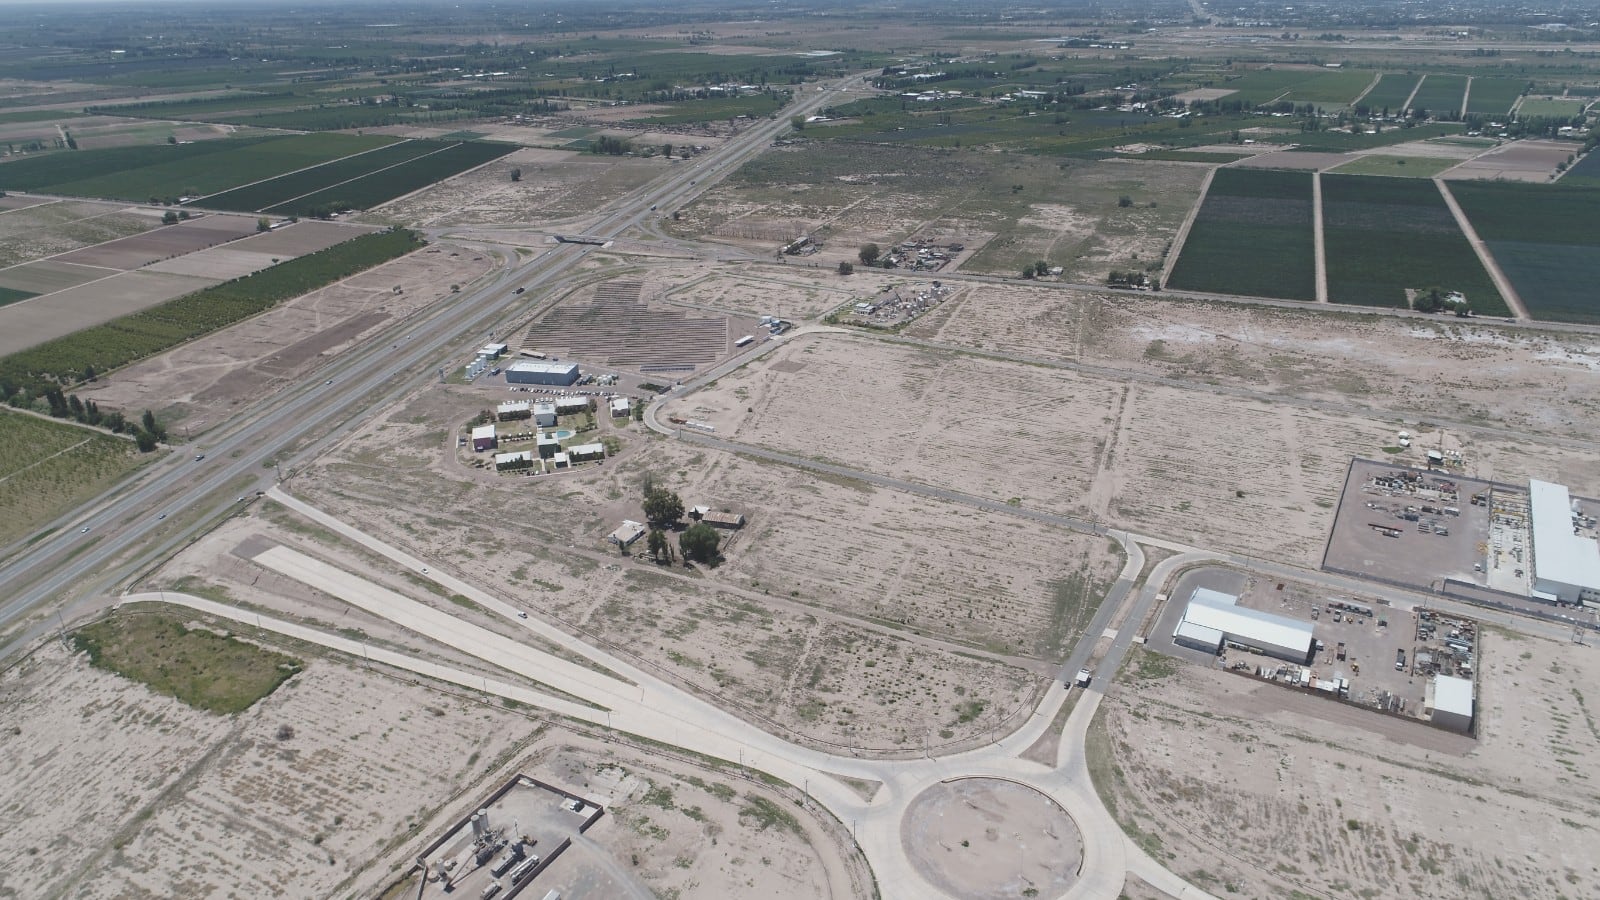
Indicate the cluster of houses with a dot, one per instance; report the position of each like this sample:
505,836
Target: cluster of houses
922,255
901,303
548,454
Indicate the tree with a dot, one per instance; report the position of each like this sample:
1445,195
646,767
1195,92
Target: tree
662,508
846,268
1124,201
516,174
1041,268
799,123
72,142
263,224
172,139
869,254
658,544
1027,272
144,440
89,373
151,426
169,218
700,542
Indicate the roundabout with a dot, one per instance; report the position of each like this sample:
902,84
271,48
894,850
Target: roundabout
992,839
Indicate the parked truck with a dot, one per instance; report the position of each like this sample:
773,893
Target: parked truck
1340,650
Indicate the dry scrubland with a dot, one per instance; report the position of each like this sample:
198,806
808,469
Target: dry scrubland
205,379
802,626
796,295
556,184
1170,461
112,790
1020,209
50,467
53,227
1319,799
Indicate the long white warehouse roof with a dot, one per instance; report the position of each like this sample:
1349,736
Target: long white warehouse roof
1221,612
1558,554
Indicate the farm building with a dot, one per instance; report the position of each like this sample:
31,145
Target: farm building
723,520
1566,565
583,452
548,445
483,438
1214,618
544,414
513,409
628,532
621,407
531,372
1449,701
567,406
521,459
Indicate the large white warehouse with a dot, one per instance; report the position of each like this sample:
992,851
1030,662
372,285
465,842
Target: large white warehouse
1566,565
1213,618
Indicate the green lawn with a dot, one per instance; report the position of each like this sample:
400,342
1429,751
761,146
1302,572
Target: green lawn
1253,236
1396,166
201,668
49,467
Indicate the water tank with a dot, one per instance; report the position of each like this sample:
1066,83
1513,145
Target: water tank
483,816
477,825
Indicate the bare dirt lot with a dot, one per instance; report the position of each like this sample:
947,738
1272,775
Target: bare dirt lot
794,295
555,185
203,379
1361,805
163,243
122,785
992,839
883,641
1516,161
39,319
259,251
40,228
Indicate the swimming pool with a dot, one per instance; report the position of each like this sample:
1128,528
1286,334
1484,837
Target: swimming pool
562,434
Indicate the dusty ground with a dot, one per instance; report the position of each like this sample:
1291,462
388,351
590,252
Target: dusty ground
1250,791
204,379
875,636
49,227
992,839
122,786
1516,161
555,185
796,295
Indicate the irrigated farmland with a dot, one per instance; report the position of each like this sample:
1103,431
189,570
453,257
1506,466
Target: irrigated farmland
381,187
1253,236
261,195
1494,96
1441,95
1385,236
47,468
1546,240
1391,93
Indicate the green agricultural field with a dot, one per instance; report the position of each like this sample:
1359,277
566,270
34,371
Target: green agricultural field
1396,166
1253,236
259,196
1546,239
1339,141
206,670
1551,108
1441,94
1584,173
12,295
381,187
49,467
1383,236
1391,92
150,331
1494,96
1332,89
1262,86
169,171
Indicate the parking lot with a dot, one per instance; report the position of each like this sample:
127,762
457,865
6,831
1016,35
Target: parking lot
1410,526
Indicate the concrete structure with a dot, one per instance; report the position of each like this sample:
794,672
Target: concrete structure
513,409
544,414
532,372
582,452
1214,618
621,407
492,351
569,406
1449,701
1566,565
521,459
626,533
483,438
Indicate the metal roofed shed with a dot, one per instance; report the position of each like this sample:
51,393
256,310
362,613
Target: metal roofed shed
626,533
1213,612
1566,565
483,438
621,406
1450,700
534,372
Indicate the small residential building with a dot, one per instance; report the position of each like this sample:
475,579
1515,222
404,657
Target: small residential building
1448,701
544,415
572,406
548,445
1566,565
726,520
621,407
513,409
560,461
529,371
628,532
483,438
586,452
521,459
1213,619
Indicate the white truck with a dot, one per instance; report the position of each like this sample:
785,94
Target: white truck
1085,675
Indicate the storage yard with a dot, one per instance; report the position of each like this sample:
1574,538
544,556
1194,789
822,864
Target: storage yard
618,328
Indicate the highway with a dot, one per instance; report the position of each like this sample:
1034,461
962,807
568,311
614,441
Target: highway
123,520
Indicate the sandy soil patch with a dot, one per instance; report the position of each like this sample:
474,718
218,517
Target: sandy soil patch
987,839
45,229
1323,804
1294,159
123,786
164,243
206,378
555,185
48,276
794,295
40,319
220,263
1429,149
1516,161
875,650
1204,94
